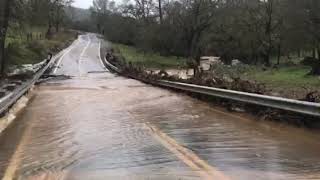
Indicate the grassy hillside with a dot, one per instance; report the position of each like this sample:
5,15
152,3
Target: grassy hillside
23,50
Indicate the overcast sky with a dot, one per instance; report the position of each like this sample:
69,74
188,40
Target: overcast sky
85,4
82,3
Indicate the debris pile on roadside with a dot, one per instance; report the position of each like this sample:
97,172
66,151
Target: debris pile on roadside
16,76
312,97
206,79
26,69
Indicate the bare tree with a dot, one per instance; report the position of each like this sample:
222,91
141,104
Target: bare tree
100,11
268,23
196,20
313,26
56,14
144,9
160,11
4,23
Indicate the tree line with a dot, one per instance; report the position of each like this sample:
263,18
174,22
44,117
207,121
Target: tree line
253,31
18,14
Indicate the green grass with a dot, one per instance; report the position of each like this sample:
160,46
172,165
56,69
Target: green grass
149,60
20,51
16,34
285,77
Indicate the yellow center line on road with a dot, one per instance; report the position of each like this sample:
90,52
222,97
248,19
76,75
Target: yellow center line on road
15,160
191,159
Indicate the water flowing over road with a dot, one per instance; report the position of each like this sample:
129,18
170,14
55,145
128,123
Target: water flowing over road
97,125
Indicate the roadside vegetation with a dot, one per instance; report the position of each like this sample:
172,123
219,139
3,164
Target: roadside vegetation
253,32
30,30
149,59
23,51
288,79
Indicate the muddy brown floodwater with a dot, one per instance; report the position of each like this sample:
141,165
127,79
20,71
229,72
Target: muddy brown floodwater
97,125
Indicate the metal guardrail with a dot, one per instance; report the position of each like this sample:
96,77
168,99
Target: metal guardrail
303,107
111,66
297,106
13,97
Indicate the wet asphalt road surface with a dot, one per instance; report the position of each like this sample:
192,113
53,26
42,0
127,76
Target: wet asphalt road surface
98,125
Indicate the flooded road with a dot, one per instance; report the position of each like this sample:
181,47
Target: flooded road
98,125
